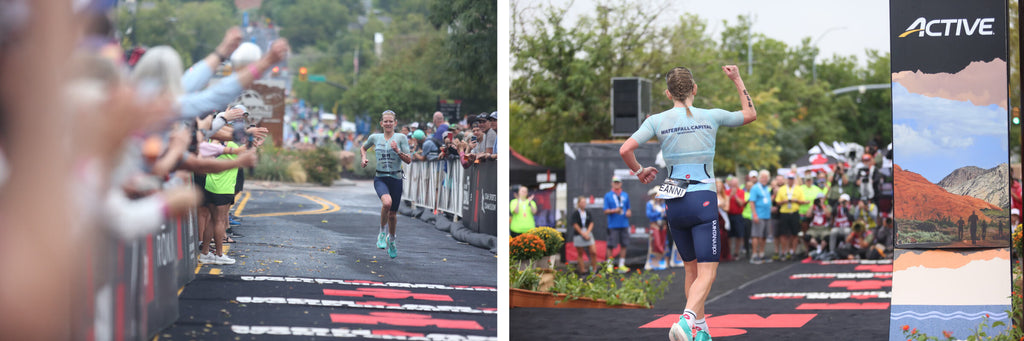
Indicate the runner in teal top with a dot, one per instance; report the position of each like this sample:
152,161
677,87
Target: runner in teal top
392,149
388,162
687,137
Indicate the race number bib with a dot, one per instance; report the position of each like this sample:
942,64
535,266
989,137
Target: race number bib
671,189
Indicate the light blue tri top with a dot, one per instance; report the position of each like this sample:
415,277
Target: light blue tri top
688,142
387,160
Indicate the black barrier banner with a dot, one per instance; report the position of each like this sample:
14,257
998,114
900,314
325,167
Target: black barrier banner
950,123
132,285
187,240
590,174
160,289
480,207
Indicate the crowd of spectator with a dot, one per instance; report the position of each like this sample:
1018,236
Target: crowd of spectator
471,140
842,211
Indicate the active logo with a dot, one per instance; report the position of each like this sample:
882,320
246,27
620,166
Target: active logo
950,27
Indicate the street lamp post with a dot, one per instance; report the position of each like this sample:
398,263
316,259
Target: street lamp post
814,61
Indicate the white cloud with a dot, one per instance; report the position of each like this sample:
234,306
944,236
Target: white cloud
955,141
912,142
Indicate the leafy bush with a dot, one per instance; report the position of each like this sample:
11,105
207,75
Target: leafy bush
553,240
371,167
523,279
322,165
296,173
274,163
613,287
526,247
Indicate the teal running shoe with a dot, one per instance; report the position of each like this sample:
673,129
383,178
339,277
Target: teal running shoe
382,239
681,331
703,336
392,250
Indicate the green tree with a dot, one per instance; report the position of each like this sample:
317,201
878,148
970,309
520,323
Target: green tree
471,45
404,79
192,28
562,76
310,22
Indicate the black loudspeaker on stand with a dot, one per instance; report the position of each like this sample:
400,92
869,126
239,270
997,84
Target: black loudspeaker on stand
631,103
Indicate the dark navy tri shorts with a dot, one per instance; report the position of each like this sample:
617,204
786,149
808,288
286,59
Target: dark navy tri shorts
388,185
694,222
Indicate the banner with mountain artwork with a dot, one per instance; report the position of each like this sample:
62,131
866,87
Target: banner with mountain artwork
950,123
951,271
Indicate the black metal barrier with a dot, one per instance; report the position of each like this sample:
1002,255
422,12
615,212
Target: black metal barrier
132,286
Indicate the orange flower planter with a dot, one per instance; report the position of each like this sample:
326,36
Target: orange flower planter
519,298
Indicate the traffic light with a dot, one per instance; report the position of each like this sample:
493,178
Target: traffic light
1016,116
303,74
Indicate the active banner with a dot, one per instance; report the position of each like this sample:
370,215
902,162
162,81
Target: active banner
950,123
950,151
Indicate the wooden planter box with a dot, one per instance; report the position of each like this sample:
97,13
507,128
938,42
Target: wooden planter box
519,298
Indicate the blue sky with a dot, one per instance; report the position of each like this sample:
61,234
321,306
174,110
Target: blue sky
936,135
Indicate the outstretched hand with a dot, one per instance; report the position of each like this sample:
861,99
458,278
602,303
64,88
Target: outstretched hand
278,51
232,38
731,71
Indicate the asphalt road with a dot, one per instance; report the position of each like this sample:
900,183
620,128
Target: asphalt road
312,235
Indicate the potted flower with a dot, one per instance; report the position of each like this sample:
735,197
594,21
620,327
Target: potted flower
526,248
553,242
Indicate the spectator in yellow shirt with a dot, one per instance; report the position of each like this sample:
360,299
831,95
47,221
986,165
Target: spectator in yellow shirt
789,197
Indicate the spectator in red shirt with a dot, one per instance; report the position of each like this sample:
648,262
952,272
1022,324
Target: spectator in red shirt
737,202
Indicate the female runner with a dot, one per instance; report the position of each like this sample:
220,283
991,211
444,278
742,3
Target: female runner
687,137
390,148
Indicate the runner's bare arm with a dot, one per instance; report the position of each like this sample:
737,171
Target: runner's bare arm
646,175
749,113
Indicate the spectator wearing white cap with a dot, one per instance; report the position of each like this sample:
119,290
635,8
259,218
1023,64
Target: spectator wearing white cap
841,221
617,210
489,136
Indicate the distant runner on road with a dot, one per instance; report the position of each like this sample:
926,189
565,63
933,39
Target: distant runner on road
687,137
390,149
